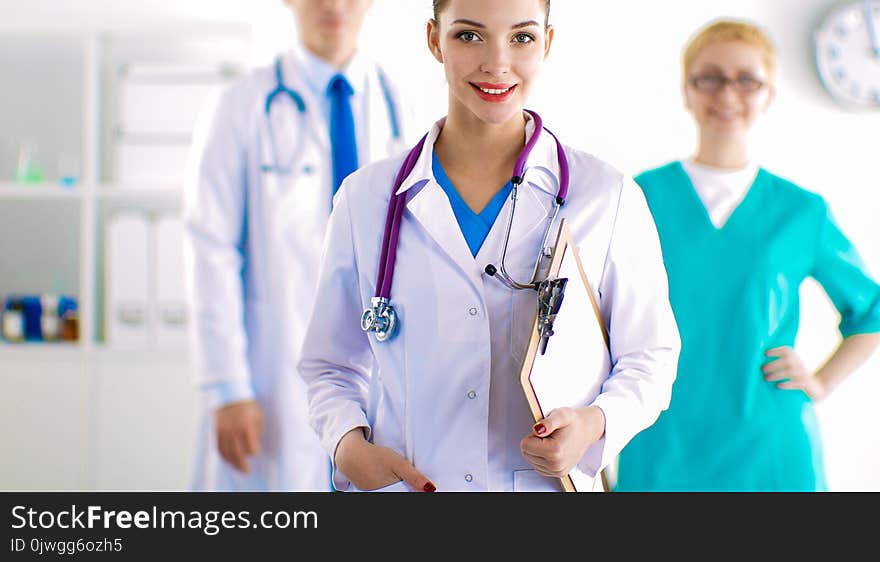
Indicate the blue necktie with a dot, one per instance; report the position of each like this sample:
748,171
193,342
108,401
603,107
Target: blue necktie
343,143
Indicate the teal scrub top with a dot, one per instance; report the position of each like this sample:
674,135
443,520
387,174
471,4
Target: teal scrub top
735,295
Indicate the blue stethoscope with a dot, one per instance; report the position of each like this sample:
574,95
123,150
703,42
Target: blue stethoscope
297,100
381,318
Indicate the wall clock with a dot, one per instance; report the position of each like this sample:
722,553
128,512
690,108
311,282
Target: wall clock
847,47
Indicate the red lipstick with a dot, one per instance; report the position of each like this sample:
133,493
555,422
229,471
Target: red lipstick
496,92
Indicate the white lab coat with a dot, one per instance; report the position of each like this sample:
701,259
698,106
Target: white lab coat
444,393
253,242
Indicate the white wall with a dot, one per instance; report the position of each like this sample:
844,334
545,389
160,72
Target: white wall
612,88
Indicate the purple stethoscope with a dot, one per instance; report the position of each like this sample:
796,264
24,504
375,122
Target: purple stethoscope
381,317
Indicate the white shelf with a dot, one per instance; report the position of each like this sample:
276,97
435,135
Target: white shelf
134,194
66,346
148,353
50,351
65,350
9,190
129,193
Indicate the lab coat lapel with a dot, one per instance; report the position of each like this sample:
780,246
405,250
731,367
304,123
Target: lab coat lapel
531,211
379,130
316,127
429,206
535,198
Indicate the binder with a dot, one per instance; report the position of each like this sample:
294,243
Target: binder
576,362
170,309
127,280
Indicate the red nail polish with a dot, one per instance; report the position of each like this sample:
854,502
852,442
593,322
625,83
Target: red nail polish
430,487
540,429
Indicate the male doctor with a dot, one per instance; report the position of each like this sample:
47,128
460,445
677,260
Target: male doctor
257,200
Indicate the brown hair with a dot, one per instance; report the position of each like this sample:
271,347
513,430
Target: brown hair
729,30
440,5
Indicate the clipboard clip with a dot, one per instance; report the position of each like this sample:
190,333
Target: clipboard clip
550,295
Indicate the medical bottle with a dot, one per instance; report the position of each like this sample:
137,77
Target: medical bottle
49,321
13,321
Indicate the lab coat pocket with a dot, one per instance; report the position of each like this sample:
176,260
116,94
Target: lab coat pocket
533,481
399,486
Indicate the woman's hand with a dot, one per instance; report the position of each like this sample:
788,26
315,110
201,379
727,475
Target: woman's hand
558,442
788,368
370,467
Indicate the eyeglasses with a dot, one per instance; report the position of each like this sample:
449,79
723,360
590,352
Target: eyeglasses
713,83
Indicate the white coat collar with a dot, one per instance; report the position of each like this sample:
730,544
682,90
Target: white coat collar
542,168
294,72
430,206
309,76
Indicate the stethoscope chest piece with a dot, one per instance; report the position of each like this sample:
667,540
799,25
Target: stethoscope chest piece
381,319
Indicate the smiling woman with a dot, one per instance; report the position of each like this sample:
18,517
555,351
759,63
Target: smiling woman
738,242
421,395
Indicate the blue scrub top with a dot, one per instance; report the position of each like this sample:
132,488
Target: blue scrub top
735,294
474,226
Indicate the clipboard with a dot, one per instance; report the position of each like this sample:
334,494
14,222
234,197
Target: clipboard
576,361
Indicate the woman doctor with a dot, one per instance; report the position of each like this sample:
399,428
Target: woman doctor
256,207
438,406
738,242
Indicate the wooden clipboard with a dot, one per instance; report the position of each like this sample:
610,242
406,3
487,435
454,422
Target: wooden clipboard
577,359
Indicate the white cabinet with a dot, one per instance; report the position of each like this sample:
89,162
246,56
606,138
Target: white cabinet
98,420
111,110
45,416
146,425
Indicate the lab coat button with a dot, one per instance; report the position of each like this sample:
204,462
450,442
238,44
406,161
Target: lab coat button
468,478
472,395
473,311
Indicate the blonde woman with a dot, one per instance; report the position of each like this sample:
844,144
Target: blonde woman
738,241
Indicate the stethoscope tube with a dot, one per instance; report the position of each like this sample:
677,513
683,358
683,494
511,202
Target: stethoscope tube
297,99
381,318
394,215
281,88
544,251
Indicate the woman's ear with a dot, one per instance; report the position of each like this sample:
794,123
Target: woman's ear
771,97
549,34
686,97
433,36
